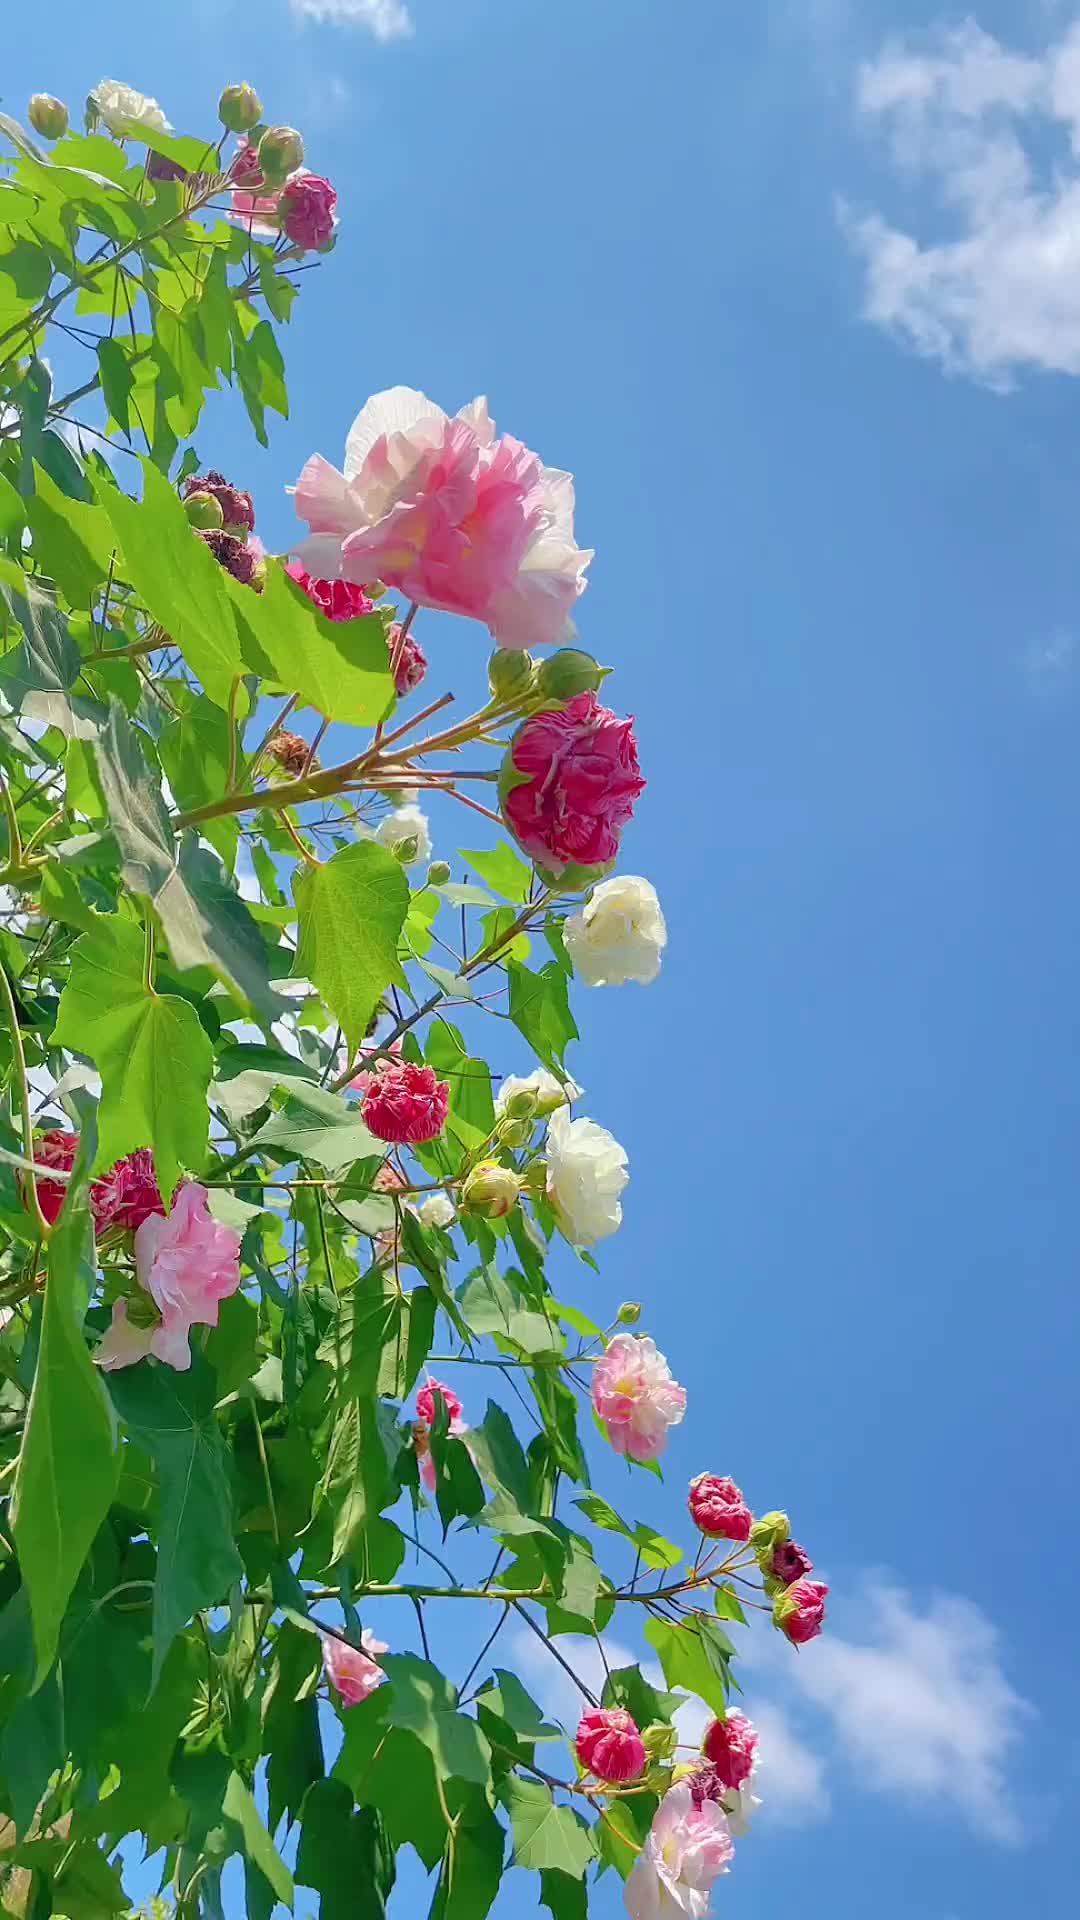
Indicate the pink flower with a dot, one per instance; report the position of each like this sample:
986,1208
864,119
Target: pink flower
687,1847
237,508
411,661
425,1407
608,1744
731,1745
337,599
136,1191
799,1610
635,1396
256,210
790,1562
306,209
245,170
123,1197
406,1104
188,1264
425,1401
718,1509
450,515
582,778
353,1670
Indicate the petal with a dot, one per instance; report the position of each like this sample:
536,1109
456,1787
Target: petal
397,410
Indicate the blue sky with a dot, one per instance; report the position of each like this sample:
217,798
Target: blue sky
795,291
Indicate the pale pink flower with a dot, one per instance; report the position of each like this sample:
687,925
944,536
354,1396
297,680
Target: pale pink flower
451,515
635,1396
187,1263
687,1847
353,1671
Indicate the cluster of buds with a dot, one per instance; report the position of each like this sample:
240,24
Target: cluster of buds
289,751
719,1511
224,517
271,186
517,681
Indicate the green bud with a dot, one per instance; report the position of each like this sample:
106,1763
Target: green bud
515,1133
535,1177
568,672
490,1190
660,1740
374,589
281,151
239,108
510,675
406,850
204,511
523,1104
48,116
629,1313
767,1533
438,873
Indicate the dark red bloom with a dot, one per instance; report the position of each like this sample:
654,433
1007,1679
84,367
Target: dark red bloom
306,209
243,562
406,1104
583,778
123,1197
790,1562
411,661
289,750
609,1745
705,1784
237,508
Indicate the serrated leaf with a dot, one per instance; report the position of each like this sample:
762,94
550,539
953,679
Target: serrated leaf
351,915
655,1551
691,1658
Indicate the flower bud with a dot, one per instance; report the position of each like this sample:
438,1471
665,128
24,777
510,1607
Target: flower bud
660,1740
766,1534
629,1313
48,116
204,511
406,850
510,675
523,1104
438,873
281,151
799,1610
567,673
239,108
535,1177
490,1190
515,1133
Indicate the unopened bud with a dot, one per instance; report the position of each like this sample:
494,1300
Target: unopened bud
510,675
567,673
204,511
281,151
48,116
523,1104
660,1740
490,1190
515,1133
438,873
406,850
239,108
629,1313
767,1534
535,1177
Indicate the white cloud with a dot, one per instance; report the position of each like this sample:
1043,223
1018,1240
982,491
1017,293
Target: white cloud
921,1707
386,19
995,135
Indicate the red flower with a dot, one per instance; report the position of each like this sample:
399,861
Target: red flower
411,661
731,1745
306,209
718,1509
425,1402
337,599
790,1562
608,1744
237,509
583,778
244,562
406,1104
124,1197
799,1610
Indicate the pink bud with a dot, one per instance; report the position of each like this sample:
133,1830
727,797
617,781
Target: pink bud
799,1610
425,1401
790,1562
609,1745
731,1745
306,209
718,1509
582,778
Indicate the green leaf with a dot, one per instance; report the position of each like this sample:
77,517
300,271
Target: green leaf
341,668
344,1855
177,578
566,1899
194,751
458,1487
472,1863
172,1416
621,1834
313,1125
150,1049
117,380
727,1607
540,1009
545,1835
260,371
509,1700
381,1337
245,1075
392,1771
240,1807
423,1702
69,1461
351,914
472,1111
290,1723
73,542
692,1656
500,1457
654,1549
503,869
37,675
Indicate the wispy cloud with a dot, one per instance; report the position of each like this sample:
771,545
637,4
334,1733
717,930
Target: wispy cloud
992,135
386,19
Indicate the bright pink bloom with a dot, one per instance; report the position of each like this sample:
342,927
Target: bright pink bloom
188,1264
406,1104
425,1407
245,170
353,1670
689,1844
583,778
790,1562
608,1744
137,1194
799,1610
123,1197
306,209
450,515
411,661
718,1509
337,599
635,1396
731,1745
425,1401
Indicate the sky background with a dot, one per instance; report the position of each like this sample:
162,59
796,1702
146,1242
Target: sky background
794,290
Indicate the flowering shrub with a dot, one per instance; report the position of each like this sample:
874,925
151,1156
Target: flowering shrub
268,1216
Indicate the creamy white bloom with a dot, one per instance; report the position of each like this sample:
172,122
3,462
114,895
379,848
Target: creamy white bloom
738,1804
619,934
686,1849
550,1093
587,1171
126,111
406,823
437,1210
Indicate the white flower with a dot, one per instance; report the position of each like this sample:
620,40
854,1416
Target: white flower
686,1849
739,1803
550,1093
586,1174
436,1211
618,935
126,111
405,824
